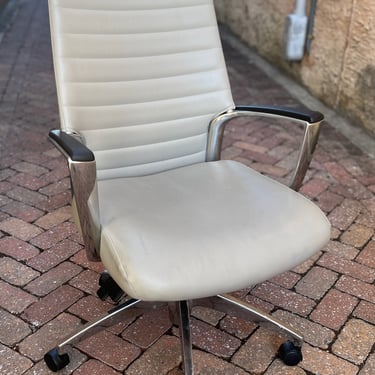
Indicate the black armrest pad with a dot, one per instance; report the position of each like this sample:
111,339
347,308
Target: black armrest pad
304,115
75,149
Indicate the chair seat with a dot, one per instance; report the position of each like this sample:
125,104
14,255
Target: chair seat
203,230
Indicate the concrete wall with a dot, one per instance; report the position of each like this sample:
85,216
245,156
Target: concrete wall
340,69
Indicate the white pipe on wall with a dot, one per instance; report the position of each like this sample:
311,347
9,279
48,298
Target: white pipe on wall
295,32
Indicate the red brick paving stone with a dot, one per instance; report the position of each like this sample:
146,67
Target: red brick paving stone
54,235
20,229
28,182
36,345
55,255
318,361
313,333
51,305
176,371
337,171
357,288
94,367
307,264
80,258
206,363
27,196
31,169
17,249
148,328
88,281
367,218
335,233
314,187
355,341
258,351
272,170
6,173
367,255
347,267
259,303
286,279
357,190
250,147
13,299
56,217
341,250
55,202
258,156
51,280
327,201
345,214
12,363
369,367
12,329
15,272
284,298
316,282
59,171
365,311
237,327
213,340
230,153
370,205
4,200
278,368
56,187
110,349
206,314
22,211
334,309
357,235
90,308
159,359
76,359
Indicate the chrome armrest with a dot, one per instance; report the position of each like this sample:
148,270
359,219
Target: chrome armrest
309,119
82,167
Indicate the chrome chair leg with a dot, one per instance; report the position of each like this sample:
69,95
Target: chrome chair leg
289,351
56,360
185,335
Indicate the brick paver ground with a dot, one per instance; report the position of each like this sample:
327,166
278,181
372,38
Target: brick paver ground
47,286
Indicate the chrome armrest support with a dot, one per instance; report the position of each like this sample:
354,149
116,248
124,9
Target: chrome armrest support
82,167
309,119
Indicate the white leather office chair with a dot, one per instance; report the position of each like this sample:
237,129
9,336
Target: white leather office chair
144,97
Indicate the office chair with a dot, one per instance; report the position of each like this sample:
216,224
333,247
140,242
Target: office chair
144,98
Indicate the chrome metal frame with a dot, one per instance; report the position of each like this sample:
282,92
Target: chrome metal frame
180,315
310,138
84,195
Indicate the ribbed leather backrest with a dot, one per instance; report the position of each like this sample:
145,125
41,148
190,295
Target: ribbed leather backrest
139,79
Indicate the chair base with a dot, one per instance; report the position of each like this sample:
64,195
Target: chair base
290,352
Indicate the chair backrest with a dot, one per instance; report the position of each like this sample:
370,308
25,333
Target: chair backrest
139,79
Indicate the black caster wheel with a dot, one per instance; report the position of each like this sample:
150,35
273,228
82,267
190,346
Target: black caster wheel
290,354
109,288
56,361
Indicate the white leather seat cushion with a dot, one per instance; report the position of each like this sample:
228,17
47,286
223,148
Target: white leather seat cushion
204,229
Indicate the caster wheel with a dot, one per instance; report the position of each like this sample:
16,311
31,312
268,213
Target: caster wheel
56,361
290,354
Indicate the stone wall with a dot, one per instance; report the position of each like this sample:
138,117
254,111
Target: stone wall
340,69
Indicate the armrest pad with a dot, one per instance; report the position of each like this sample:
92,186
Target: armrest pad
73,148
304,115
